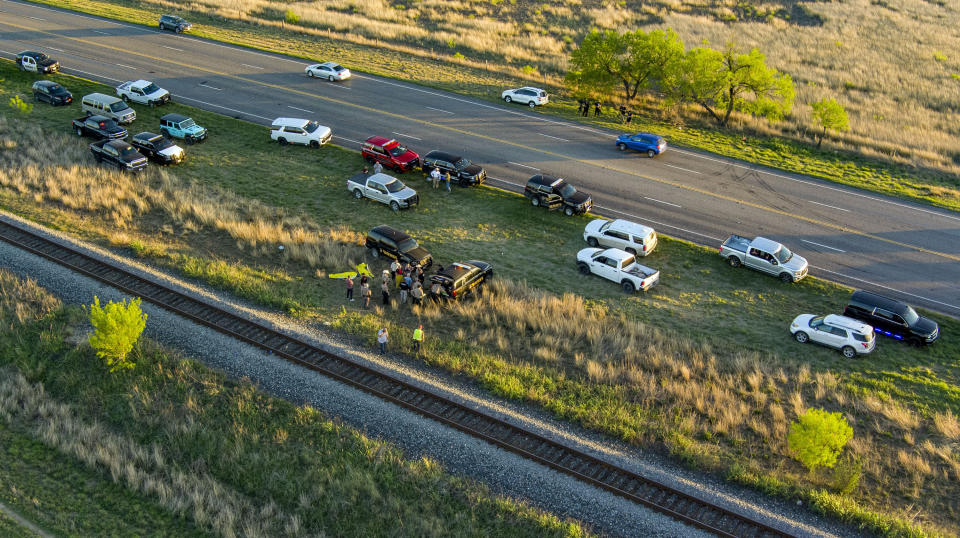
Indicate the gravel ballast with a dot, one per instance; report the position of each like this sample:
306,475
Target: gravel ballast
504,472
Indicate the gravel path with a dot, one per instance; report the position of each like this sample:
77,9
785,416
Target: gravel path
503,471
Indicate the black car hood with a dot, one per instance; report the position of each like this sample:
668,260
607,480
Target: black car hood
925,326
418,253
473,170
578,198
114,130
48,62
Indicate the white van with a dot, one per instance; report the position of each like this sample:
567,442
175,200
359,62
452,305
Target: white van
634,238
100,104
298,131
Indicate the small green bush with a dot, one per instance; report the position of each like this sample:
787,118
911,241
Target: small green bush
117,328
817,438
291,17
20,106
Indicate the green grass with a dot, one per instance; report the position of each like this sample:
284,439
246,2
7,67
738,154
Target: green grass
705,315
329,477
485,81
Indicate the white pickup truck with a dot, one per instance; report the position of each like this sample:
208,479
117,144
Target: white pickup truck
383,188
619,266
143,92
764,255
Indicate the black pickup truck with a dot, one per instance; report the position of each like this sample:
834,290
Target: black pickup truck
98,127
119,153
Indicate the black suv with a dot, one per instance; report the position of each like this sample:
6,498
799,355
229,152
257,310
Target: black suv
555,193
465,172
51,92
891,318
385,241
157,148
462,278
172,22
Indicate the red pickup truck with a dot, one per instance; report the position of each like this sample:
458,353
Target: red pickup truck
390,153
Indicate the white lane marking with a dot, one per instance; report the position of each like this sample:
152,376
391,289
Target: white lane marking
95,75
830,206
211,87
99,32
35,18
505,181
248,65
887,287
684,169
225,108
822,245
301,109
406,135
56,49
440,110
820,185
661,201
127,66
174,48
523,165
554,137
348,139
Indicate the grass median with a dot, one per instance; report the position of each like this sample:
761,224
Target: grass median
702,366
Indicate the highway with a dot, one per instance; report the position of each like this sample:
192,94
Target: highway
865,240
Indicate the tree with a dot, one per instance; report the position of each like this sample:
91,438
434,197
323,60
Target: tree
722,82
117,328
634,61
829,114
817,438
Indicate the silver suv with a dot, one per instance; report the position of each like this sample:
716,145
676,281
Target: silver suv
850,336
634,238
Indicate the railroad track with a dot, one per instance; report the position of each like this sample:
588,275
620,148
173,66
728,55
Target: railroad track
553,454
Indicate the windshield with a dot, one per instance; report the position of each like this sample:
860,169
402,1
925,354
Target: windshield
566,190
606,225
160,143
57,89
910,316
129,151
118,106
784,255
398,150
187,123
41,57
816,322
337,68
461,164
311,126
151,88
395,186
407,245
108,124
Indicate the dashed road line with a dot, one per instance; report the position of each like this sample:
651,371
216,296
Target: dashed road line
440,110
523,165
250,66
172,48
94,75
554,137
830,206
406,135
684,169
661,202
100,32
127,66
301,109
225,108
348,139
822,245
209,86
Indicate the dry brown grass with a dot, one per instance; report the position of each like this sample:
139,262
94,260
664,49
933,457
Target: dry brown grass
22,300
42,166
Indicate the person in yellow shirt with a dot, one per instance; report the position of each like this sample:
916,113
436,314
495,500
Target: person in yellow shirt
417,338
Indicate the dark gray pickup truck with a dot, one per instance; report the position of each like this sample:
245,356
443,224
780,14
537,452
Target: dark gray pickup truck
98,127
119,153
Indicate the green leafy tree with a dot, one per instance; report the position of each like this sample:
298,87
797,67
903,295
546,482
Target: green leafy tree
829,114
632,61
721,82
817,438
117,327
291,17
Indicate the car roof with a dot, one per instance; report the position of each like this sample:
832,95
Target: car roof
174,117
140,82
765,244
457,270
617,254
437,154
290,122
847,323
45,83
390,233
174,17
873,300
329,64
630,227
545,179
101,96
98,118
529,88
382,178
29,53
120,144
380,140
146,135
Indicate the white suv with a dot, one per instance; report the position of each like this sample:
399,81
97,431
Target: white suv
634,238
297,131
526,96
850,336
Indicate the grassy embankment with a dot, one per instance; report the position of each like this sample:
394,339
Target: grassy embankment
902,103
702,366
175,449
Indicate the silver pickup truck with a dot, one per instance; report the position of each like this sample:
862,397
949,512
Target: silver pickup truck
764,255
383,188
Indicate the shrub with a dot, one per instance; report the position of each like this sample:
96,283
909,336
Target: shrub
20,106
117,328
291,17
817,438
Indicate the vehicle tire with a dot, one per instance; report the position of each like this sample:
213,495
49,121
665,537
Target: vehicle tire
310,74
535,201
592,241
583,268
188,140
374,253
395,206
651,153
160,26
628,286
79,131
622,147
97,158
532,105
915,342
177,30
631,251
330,78
165,133
314,144
801,337
568,211
734,261
357,194
125,98
282,141
36,98
786,278
368,158
508,99
848,352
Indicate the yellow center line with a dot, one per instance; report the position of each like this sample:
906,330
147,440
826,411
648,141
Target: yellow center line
560,156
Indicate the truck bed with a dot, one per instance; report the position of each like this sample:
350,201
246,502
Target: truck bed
737,242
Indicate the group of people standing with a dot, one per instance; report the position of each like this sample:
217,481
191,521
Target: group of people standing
436,176
583,109
407,278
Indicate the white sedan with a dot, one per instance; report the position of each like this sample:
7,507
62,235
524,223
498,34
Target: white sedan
328,70
526,96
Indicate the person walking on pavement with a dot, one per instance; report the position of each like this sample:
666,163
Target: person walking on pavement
365,292
385,290
447,179
349,288
417,293
596,109
417,339
377,167
435,176
382,337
